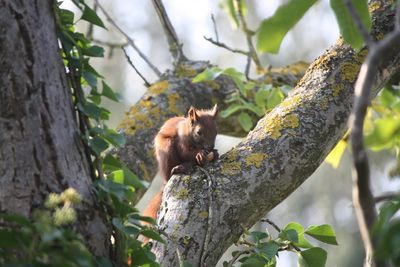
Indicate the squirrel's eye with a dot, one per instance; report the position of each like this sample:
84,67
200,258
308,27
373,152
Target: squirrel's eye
199,132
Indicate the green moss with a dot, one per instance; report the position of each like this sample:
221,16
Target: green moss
255,159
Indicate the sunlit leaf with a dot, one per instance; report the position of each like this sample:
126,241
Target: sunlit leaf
302,241
207,75
323,233
336,154
347,27
245,121
273,30
313,257
91,16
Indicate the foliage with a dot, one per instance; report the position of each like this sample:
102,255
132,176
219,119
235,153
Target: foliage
252,99
47,239
261,249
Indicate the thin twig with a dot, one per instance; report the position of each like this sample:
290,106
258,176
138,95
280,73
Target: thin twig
363,199
215,27
109,44
130,40
249,34
234,259
387,196
359,24
133,66
238,51
279,230
175,47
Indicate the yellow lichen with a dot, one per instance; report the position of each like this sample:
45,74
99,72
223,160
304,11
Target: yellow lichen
324,103
230,168
186,179
172,98
186,240
336,89
255,159
159,87
276,124
213,84
374,6
360,57
323,60
183,70
291,102
349,71
380,36
203,214
182,194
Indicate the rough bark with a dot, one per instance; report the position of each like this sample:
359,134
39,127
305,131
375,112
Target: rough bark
40,147
204,213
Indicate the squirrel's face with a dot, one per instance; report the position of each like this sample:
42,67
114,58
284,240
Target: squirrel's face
203,127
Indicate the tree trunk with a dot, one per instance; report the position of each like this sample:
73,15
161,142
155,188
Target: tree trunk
40,147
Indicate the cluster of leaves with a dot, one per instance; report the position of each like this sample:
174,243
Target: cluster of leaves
115,184
261,249
46,239
252,100
386,230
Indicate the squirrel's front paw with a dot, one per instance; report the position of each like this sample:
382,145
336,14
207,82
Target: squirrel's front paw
213,155
178,169
201,158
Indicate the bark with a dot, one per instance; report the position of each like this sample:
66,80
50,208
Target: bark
204,213
40,147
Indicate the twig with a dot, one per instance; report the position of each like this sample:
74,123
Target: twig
243,25
109,44
387,196
272,224
363,199
175,47
130,40
215,28
359,24
133,66
207,238
217,43
234,259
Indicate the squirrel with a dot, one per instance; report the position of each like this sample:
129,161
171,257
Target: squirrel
181,143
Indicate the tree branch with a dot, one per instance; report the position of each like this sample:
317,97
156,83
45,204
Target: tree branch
130,40
175,47
363,199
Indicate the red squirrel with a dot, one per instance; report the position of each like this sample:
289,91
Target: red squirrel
181,143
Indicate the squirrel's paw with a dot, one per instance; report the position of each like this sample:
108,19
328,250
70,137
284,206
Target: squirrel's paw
201,158
178,169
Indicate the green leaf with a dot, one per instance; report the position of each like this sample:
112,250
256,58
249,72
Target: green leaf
66,17
303,242
245,121
348,29
135,218
91,110
237,77
153,235
111,163
94,51
126,177
255,109
289,235
261,97
383,133
91,16
109,93
207,75
336,154
90,78
254,261
126,229
273,30
98,145
323,233
230,110
313,257
257,236
114,138
274,98
269,250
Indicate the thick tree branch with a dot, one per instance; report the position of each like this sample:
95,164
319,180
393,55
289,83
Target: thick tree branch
284,149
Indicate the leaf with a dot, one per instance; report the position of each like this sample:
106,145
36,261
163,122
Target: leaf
90,78
135,218
91,16
274,98
111,163
336,154
289,235
313,257
230,110
257,236
237,77
98,145
66,17
94,51
348,29
114,138
254,261
323,233
153,235
126,229
90,109
245,121
126,177
207,75
109,93
261,97
269,250
303,242
383,133
273,30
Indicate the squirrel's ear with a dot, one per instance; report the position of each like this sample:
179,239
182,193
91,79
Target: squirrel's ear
192,114
214,111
